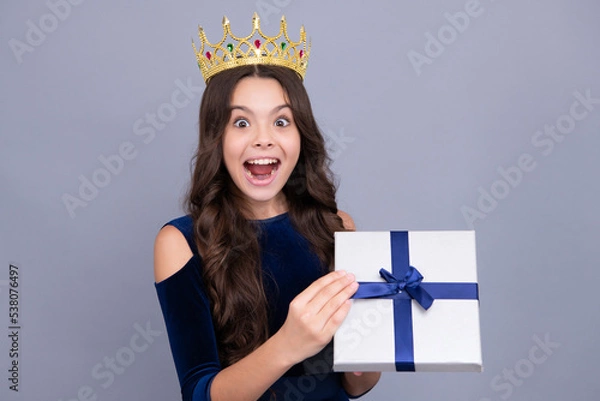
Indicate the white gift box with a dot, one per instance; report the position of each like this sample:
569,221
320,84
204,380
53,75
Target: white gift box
394,332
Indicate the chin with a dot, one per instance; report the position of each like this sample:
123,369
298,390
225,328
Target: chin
262,195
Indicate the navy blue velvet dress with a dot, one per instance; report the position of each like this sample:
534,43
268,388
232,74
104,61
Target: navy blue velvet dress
289,266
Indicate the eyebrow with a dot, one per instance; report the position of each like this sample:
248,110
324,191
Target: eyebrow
246,109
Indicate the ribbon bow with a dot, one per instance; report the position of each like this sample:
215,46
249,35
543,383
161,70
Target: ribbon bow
410,283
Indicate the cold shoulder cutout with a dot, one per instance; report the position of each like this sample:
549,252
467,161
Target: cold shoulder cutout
185,225
173,250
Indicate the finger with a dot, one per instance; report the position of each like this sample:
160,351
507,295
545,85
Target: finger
335,302
312,290
341,288
336,319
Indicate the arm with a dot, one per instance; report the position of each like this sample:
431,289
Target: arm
356,383
313,317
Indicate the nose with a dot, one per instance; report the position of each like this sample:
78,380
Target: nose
263,138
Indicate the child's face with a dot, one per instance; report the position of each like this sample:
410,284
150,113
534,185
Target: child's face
261,143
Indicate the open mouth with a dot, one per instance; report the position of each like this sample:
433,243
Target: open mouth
261,169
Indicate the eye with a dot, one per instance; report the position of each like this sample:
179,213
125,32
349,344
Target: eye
241,123
282,122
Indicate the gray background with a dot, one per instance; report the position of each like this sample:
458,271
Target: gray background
412,147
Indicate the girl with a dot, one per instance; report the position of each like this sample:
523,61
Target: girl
243,278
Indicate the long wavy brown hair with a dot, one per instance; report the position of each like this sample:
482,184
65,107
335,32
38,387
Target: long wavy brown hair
225,234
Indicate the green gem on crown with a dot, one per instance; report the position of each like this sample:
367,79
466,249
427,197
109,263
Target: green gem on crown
283,45
229,47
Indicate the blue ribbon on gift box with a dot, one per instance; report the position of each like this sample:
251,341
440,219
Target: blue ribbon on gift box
403,290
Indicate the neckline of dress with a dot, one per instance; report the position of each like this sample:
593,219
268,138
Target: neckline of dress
271,219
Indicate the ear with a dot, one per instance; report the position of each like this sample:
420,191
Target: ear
347,220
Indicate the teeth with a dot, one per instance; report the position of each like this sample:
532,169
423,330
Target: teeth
262,161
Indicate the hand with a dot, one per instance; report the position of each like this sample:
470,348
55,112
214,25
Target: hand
316,313
358,383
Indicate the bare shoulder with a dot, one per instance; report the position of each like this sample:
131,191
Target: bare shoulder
171,253
347,220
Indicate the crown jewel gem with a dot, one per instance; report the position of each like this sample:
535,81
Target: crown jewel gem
234,51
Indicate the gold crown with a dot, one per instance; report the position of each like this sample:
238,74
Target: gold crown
274,50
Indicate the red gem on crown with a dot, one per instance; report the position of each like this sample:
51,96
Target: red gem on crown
208,55
257,43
